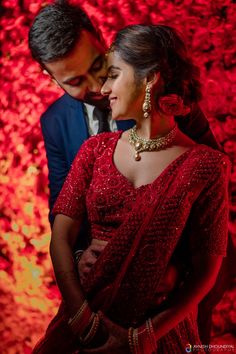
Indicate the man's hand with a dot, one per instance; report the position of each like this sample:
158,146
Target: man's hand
88,258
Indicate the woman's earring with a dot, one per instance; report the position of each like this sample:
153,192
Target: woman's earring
147,102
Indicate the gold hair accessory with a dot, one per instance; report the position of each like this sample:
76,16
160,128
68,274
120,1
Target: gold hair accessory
147,107
141,144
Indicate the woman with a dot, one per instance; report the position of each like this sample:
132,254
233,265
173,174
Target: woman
153,197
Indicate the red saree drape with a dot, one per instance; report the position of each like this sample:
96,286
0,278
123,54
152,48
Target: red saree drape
187,204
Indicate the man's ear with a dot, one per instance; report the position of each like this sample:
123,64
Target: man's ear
45,72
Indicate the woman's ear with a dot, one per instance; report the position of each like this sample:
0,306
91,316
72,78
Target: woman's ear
153,79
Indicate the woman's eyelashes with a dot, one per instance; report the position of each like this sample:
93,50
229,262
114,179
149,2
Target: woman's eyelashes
112,76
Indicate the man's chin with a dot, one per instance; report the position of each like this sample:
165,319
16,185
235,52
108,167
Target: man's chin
98,101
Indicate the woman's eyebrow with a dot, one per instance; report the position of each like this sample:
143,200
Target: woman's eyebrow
113,67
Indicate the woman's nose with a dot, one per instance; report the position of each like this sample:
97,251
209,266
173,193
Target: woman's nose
105,90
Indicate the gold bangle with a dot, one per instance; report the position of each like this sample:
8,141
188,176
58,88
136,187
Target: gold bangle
92,331
135,341
151,334
78,313
80,325
130,340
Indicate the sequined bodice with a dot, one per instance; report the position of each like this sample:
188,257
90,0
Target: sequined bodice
109,195
94,185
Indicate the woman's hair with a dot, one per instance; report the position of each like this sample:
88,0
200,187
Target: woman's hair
159,48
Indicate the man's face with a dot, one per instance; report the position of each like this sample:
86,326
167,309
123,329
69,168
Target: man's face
82,72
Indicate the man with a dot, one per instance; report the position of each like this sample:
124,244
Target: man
65,43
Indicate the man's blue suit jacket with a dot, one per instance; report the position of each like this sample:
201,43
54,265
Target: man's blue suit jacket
64,129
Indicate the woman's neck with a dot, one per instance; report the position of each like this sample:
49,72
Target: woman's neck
155,127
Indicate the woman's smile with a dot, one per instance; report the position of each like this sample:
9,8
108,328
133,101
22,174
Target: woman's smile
112,100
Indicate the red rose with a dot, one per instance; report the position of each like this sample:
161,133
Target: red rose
173,104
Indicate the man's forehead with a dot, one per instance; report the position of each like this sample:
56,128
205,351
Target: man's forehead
80,59
86,50
88,41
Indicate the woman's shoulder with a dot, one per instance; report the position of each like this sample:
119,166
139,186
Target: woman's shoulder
210,158
210,152
95,145
102,140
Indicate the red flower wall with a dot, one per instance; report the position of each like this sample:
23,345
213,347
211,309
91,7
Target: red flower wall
28,294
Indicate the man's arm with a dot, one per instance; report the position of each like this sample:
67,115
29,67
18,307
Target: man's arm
58,170
196,126
57,165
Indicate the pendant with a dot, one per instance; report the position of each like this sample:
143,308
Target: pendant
137,145
137,157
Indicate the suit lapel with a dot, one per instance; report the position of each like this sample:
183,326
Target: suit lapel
77,129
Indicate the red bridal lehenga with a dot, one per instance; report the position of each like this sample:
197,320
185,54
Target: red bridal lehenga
182,212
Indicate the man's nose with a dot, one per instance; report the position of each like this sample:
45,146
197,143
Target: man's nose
94,84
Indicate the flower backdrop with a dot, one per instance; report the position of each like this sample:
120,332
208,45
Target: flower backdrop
28,294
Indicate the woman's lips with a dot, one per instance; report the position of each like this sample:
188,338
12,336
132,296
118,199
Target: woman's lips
112,100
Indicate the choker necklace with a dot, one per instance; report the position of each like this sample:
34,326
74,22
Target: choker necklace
141,144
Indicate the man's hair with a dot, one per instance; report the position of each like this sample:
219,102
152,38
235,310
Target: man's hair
56,30
159,48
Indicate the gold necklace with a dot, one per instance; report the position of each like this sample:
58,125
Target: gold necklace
141,144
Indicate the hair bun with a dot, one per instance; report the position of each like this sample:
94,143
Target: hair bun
172,104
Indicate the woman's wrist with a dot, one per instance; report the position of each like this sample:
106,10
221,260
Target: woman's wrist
88,327
100,337
84,323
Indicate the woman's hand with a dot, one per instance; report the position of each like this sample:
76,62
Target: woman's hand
117,342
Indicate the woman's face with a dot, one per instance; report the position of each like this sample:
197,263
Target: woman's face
125,94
